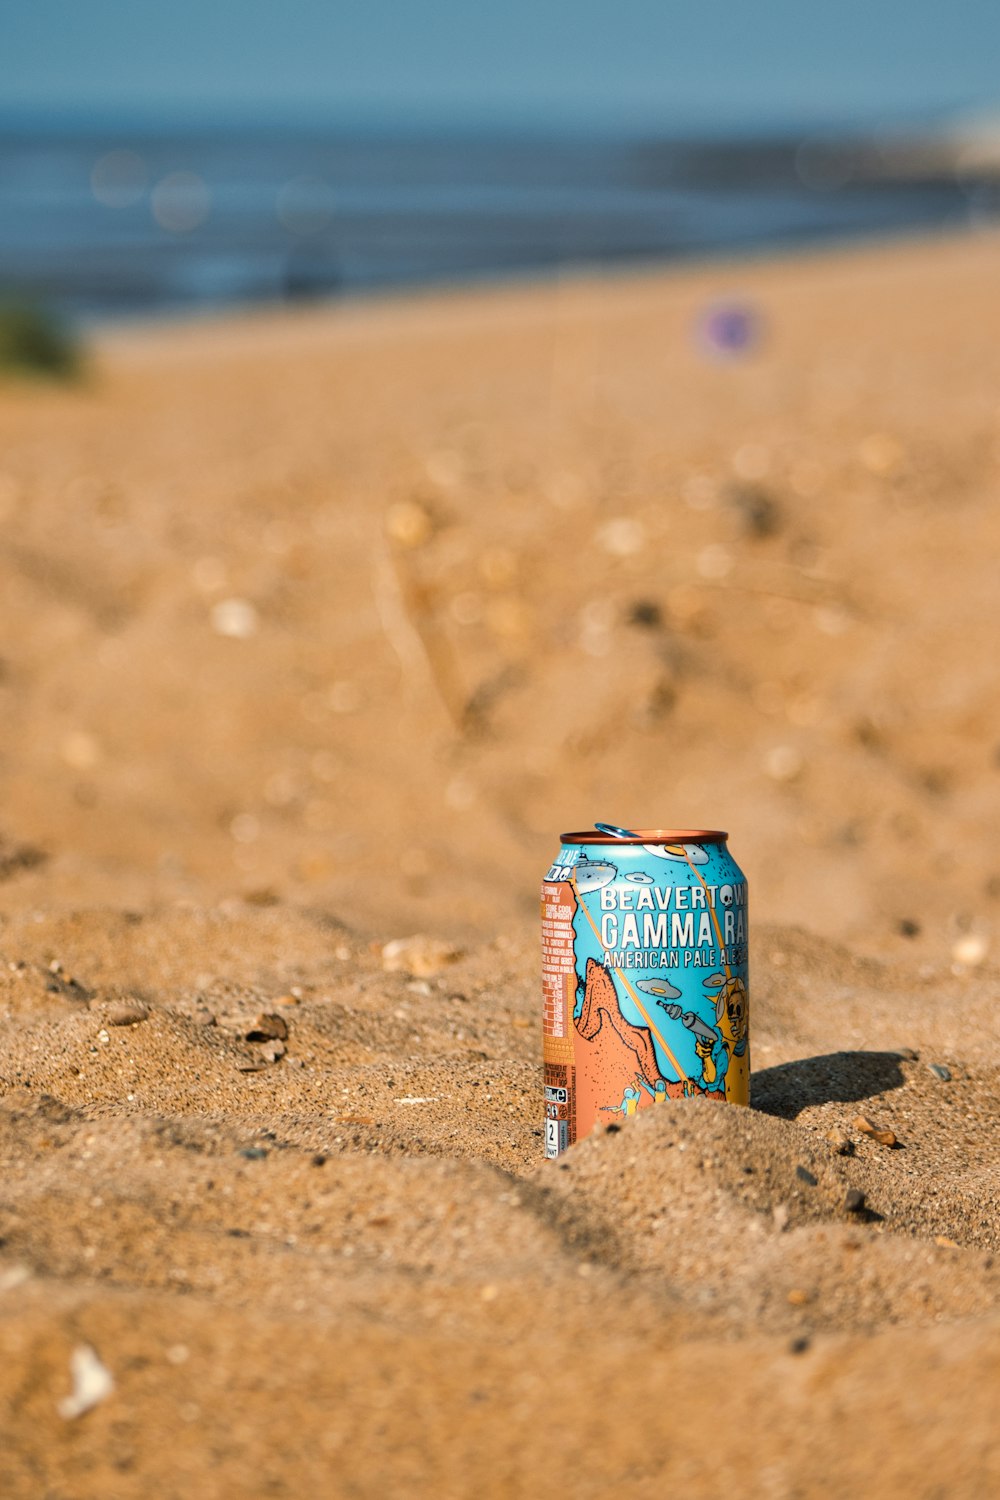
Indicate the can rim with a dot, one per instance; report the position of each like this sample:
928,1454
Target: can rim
650,836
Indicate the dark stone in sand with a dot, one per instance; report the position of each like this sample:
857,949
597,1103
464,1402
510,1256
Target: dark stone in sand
268,1028
854,1200
757,509
645,613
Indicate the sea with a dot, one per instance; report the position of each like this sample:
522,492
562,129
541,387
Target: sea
119,220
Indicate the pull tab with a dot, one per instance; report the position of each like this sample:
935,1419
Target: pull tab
613,832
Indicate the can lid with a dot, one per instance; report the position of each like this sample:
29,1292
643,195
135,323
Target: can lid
601,835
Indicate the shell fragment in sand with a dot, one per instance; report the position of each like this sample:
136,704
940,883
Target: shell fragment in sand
884,1137
92,1383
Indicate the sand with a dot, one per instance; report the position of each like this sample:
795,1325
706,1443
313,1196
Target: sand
318,627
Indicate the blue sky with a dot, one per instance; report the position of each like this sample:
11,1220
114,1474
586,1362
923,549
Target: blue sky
602,62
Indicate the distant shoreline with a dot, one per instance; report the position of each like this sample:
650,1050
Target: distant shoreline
124,223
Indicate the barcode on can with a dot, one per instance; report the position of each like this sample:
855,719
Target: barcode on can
555,1138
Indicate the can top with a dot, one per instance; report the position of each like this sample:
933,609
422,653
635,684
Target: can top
650,836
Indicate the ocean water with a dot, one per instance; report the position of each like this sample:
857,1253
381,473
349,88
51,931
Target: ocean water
117,222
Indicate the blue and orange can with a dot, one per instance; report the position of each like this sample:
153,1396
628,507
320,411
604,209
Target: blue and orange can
644,976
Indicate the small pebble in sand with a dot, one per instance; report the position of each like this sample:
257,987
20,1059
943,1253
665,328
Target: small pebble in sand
129,1013
235,618
418,955
946,1243
804,1175
783,763
92,1383
970,949
253,1153
798,1298
408,523
646,614
854,1200
840,1142
268,1027
940,1071
622,536
273,1051
884,1137
779,1214
757,512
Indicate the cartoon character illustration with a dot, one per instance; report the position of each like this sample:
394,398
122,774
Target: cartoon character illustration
664,1089
714,1061
708,1044
728,1059
628,1106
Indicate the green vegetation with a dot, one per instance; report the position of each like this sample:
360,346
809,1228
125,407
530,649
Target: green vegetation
33,341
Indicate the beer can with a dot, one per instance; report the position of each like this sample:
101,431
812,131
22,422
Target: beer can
644,976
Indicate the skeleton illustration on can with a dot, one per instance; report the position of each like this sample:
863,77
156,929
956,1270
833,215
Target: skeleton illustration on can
644,976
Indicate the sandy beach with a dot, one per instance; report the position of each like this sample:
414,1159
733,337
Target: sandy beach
318,627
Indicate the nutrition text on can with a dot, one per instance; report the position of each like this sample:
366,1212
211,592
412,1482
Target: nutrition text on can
644,976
